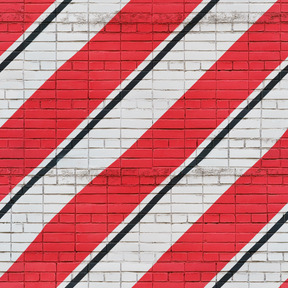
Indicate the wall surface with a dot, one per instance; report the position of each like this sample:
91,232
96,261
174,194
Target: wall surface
143,143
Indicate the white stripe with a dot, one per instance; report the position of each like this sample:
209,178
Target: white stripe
116,133
136,253
267,268
29,30
39,61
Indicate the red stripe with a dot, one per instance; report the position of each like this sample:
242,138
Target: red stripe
79,86
16,17
240,213
96,210
285,284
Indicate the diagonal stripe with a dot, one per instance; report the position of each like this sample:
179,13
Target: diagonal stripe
124,240
43,25
127,208
63,165
21,79
112,104
243,210
60,112
16,17
285,284
273,239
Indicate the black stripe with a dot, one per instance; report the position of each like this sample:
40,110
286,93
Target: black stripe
264,239
34,34
177,178
118,98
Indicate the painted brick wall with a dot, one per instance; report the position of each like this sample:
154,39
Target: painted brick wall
143,143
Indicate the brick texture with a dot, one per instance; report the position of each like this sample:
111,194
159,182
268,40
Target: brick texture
143,143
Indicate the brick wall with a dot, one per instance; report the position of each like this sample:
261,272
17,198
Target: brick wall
143,143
